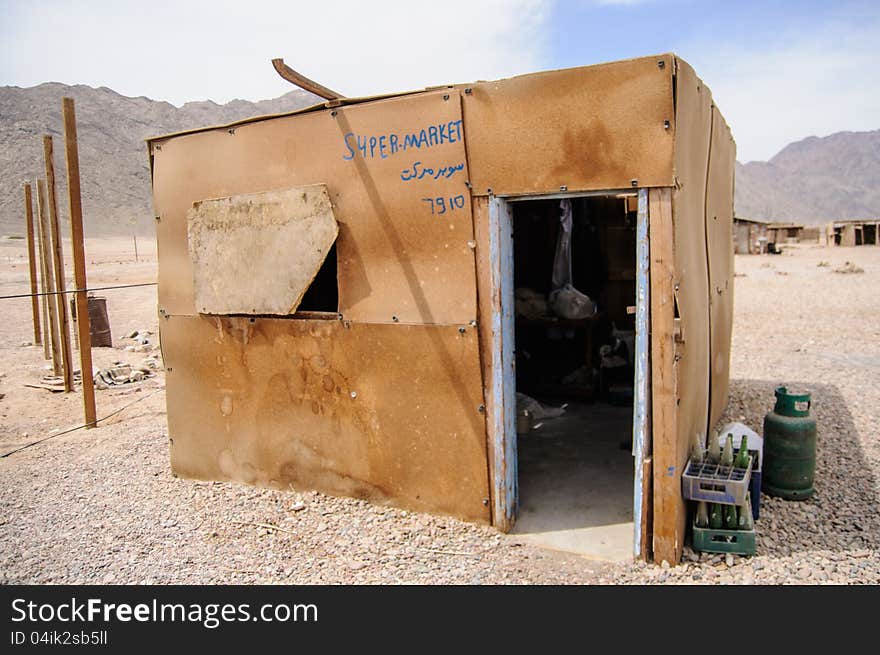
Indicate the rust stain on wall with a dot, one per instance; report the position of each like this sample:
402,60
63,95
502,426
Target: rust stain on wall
590,128
371,411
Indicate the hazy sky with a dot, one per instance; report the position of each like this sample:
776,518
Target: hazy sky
779,71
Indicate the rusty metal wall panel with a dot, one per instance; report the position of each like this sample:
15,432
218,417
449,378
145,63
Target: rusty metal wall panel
395,257
719,231
175,291
590,128
694,121
415,221
691,290
384,412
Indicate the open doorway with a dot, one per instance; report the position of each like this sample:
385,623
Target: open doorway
574,353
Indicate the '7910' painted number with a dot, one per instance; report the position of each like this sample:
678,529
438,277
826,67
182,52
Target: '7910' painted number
440,205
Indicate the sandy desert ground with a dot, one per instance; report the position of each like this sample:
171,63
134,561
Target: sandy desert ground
101,506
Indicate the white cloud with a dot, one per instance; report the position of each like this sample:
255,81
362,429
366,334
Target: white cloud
803,85
222,49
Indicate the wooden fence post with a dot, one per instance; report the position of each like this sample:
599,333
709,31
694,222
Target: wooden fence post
79,261
32,265
58,264
48,278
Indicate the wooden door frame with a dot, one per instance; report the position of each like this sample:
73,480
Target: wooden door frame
505,492
505,479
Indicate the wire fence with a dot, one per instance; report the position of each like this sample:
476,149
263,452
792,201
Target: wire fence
80,427
103,418
66,291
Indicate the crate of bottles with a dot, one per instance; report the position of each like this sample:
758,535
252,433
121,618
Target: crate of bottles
721,540
716,483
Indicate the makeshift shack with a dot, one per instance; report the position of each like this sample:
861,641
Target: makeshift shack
749,236
782,233
853,232
338,290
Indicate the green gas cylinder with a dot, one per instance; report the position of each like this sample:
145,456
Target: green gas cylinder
789,447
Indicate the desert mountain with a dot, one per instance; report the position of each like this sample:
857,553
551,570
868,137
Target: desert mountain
810,181
113,156
814,180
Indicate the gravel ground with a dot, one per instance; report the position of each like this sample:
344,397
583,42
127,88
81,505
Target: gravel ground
101,506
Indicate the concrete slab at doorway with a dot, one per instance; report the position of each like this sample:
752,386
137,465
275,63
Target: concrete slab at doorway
576,483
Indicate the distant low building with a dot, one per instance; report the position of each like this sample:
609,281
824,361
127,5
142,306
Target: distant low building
755,236
785,233
749,236
853,232
812,234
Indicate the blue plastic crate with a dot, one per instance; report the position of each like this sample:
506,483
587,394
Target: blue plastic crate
715,483
755,484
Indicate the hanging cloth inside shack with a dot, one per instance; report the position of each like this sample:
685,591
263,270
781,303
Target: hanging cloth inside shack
565,300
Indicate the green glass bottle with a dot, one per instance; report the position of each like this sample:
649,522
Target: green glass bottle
714,453
742,457
716,521
745,521
730,517
727,453
702,514
697,449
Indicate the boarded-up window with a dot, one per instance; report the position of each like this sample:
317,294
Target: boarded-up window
258,253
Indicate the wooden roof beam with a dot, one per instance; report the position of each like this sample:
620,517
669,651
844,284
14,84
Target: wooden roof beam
303,82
